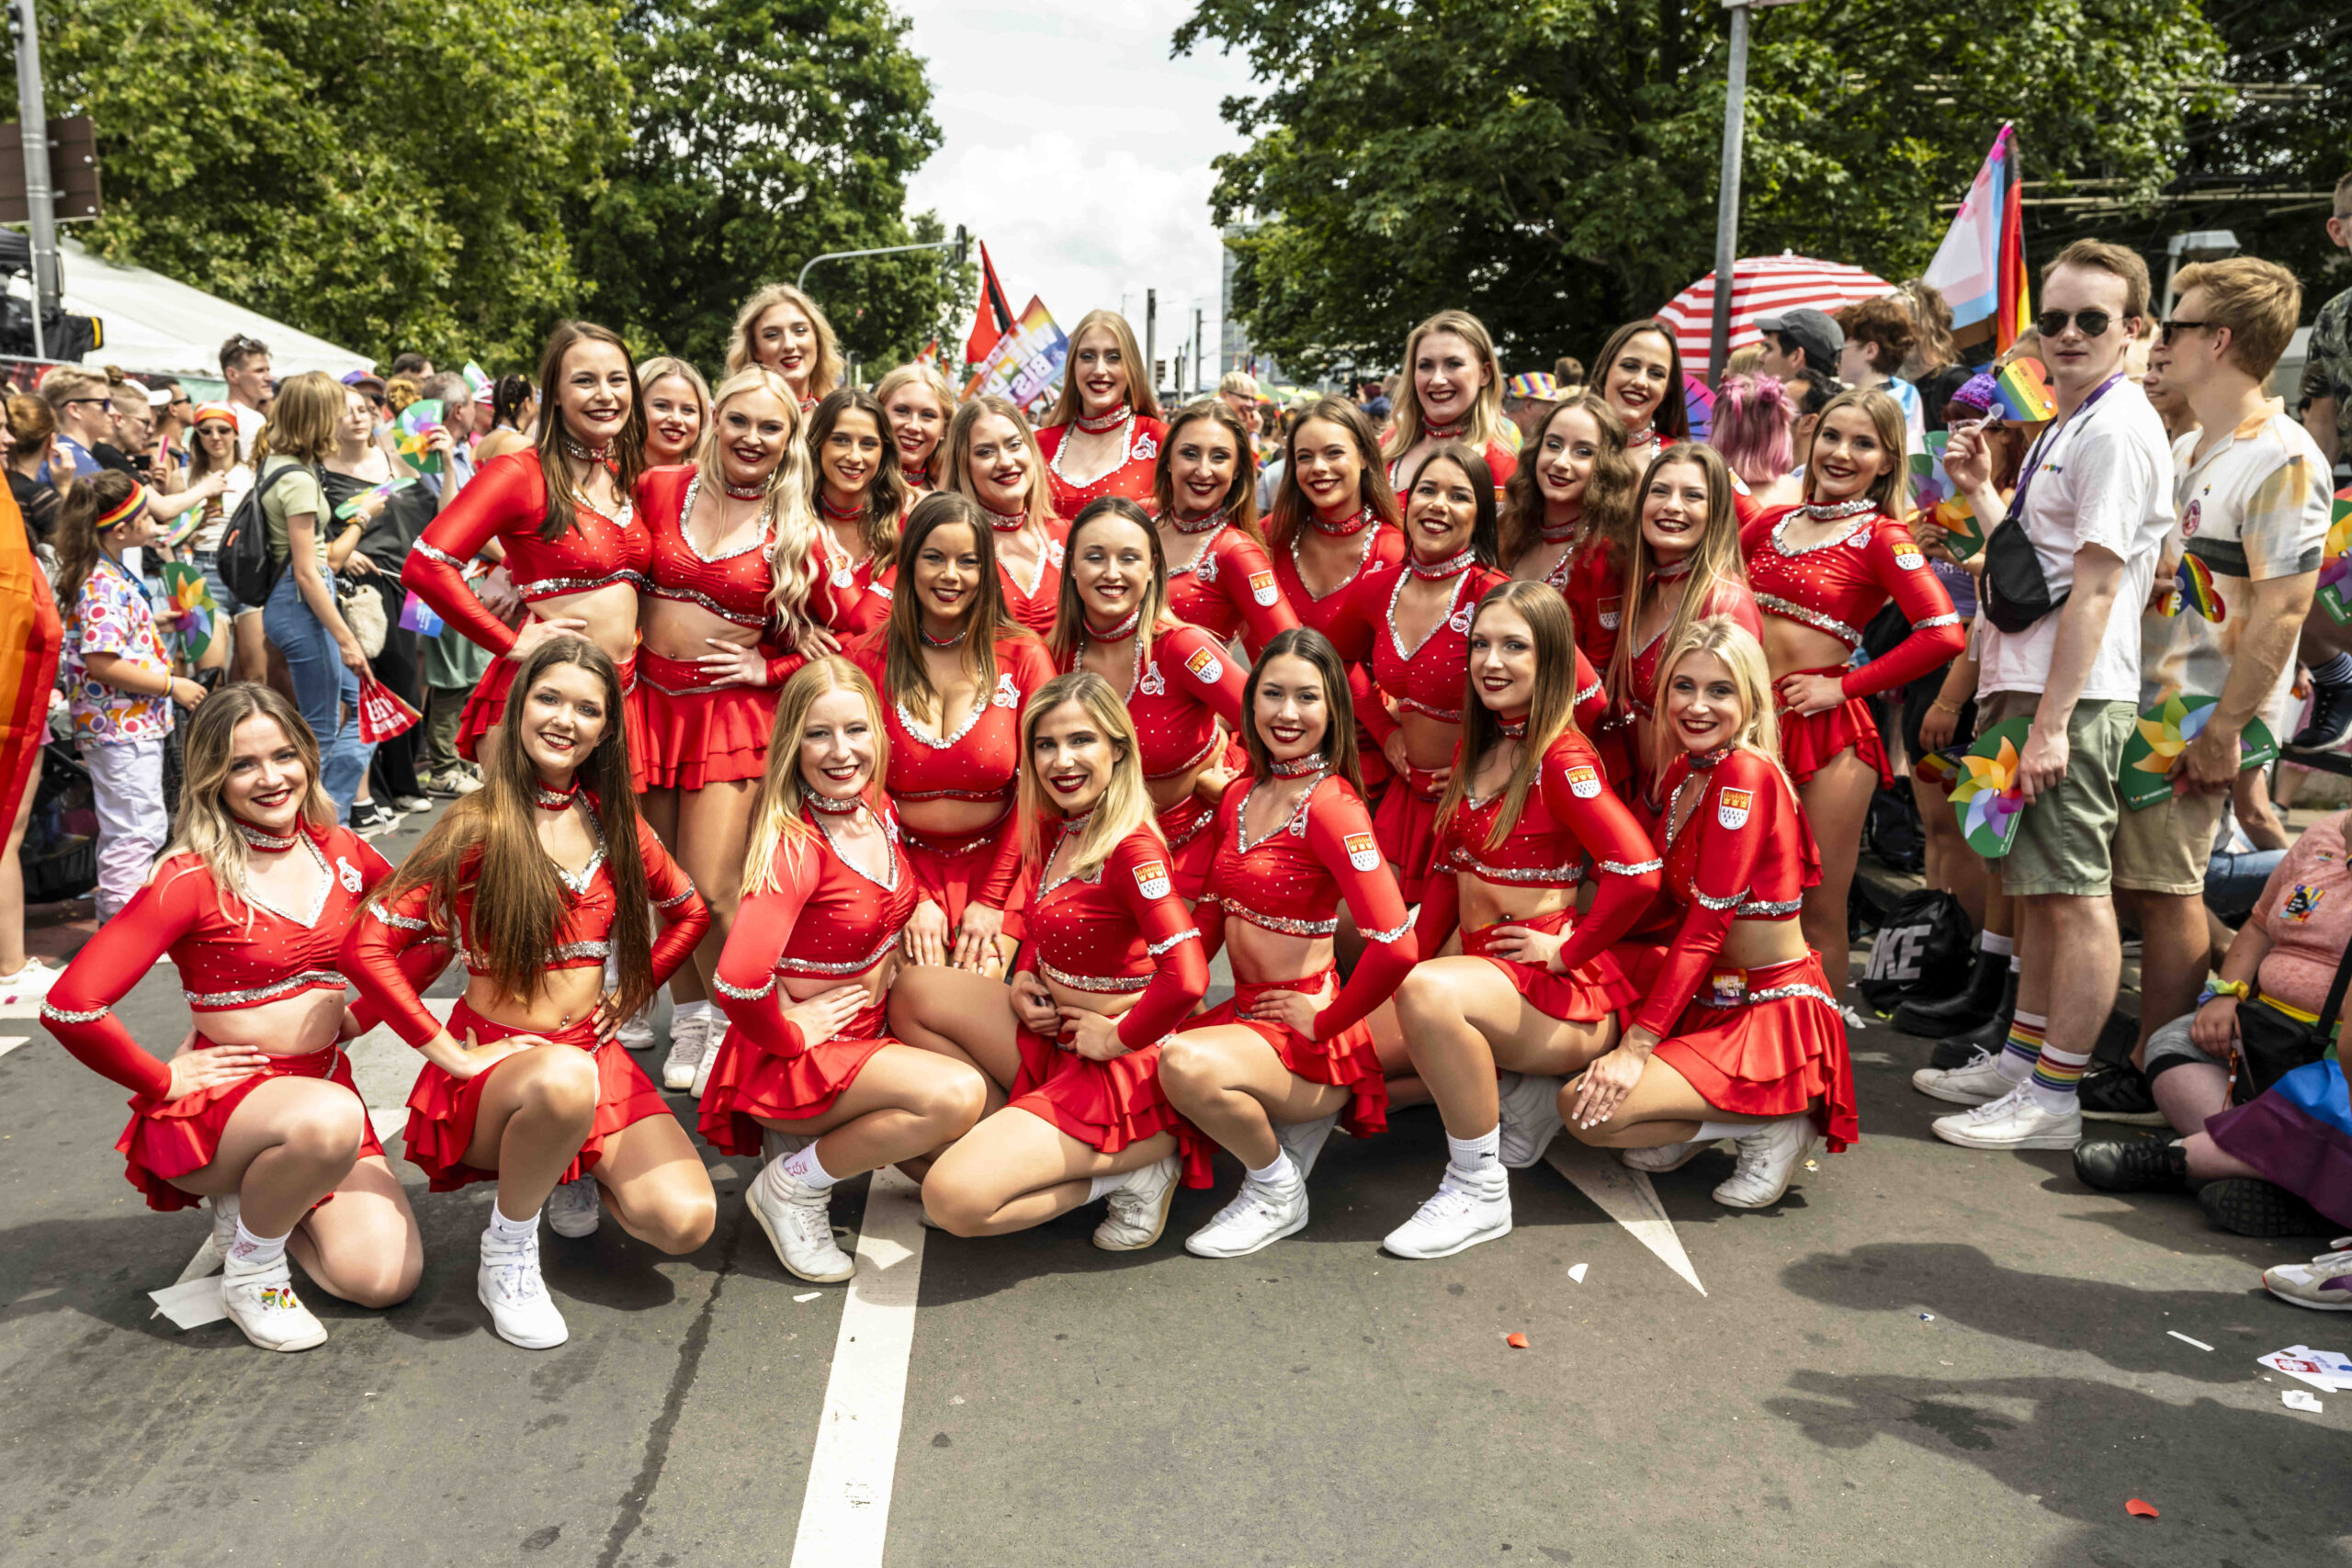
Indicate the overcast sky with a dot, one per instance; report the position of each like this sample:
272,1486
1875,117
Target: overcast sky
1080,150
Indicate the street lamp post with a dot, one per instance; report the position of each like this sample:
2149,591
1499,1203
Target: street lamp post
1727,195
960,243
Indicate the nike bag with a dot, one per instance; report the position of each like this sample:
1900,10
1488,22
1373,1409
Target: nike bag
1925,950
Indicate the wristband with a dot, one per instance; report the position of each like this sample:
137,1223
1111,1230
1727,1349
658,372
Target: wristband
1941,706
2236,991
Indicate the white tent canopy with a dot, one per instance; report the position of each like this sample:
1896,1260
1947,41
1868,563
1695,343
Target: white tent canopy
153,322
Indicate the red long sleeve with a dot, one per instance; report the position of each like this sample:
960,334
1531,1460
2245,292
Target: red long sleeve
1192,658
685,918
1937,638
1439,912
79,1009
1246,577
747,989
1181,978
1727,858
506,494
1025,659
1372,898
1628,866
376,960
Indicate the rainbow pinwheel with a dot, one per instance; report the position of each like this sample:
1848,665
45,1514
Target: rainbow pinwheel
389,487
189,607
1987,798
2168,728
412,435
2023,388
2336,564
2152,753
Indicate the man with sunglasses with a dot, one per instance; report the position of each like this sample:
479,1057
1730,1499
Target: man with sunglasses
244,366
84,406
2094,501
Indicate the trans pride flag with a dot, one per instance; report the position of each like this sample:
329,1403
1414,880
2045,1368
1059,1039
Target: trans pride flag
1980,267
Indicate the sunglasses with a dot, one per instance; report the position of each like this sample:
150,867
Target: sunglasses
2170,328
2050,323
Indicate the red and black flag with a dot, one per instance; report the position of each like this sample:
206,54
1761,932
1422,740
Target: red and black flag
994,318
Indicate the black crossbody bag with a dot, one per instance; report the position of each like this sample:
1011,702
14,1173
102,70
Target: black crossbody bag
2271,1044
2014,590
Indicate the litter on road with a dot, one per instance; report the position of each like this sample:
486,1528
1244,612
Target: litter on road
2296,1399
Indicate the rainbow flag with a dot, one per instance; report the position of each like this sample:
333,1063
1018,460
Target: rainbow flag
1980,267
1025,365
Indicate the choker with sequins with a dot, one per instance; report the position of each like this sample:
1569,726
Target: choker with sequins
930,641
1674,570
1444,571
919,477
1118,630
1096,424
836,514
1701,761
830,807
1838,511
585,453
1562,534
1340,530
1005,522
1075,822
262,838
1512,728
1445,432
1200,524
1299,767
743,492
555,799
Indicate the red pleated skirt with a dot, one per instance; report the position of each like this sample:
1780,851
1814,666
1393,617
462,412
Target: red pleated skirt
488,705
690,734
166,1139
1590,992
1405,827
1106,1105
948,866
1346,1061
1773,1057
1809,741
441,1111
747,1082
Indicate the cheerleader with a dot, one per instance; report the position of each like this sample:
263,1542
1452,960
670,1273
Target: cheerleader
918,401
992,460
1205,494
1685,566
1271,1072
1112,963
1820,571
257,1112
955,672
535,881
677,410
1568,516
1104,433
1736,1035
781,329
861,500
562,513
806,1069
1457,396
727,619
1182,692
1535,991
1641,377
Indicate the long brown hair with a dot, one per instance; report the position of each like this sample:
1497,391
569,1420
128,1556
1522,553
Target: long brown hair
1140,395
777,818
1672,421
564,499
1241,497
77,538
1608,516
885,497
906,679
1338,736
1294,511
204,827
1890,491
1551,708
1069,611
488,844
1717,562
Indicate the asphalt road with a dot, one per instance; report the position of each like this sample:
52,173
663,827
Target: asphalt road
1925,1355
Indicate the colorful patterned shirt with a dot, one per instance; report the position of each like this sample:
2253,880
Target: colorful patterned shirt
2327,372
114,615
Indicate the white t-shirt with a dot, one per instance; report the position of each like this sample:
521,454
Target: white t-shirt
2104,478
208,533
249,423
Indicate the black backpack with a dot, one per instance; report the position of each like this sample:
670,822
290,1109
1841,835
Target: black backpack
244,561
1924,950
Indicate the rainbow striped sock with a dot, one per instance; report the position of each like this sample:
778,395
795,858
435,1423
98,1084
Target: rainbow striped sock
2024,1046
2055,1074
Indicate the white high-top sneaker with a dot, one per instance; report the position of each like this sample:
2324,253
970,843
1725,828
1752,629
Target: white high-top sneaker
1979,1082
508,1283
1138,1208
1260,1215
637,1032
261,1302
1530,1103
1665,1157
1769,1156
1463,1211
799,1220
574,1208
1304,1140
689,1038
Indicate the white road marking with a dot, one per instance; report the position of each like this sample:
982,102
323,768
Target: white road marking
1626,1196
845,1513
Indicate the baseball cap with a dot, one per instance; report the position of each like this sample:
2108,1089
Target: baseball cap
372,385
1809,329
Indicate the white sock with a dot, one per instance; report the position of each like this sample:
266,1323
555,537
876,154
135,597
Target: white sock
1281,1173
1478,1157
805,1167
250,1252
2016,965
1710,1132
1992,944
687,1012
506,1230
1104,1186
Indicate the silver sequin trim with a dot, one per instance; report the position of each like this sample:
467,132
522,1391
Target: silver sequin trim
1637,869
854,966
286,987
1952,620
59,1015
1773,993
580,950
1763,907
1391,934
1720,904
1281,923
689,595
740,994
547,586
1157,948
1588,694
403,923
1861,515
1094,982
431,553
676,900
1566,875
1796,611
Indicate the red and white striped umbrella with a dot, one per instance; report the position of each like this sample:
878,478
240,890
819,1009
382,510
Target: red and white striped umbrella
1762,286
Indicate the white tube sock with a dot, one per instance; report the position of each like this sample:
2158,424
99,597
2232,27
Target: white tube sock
1104,1186
1992,944
250,1252
1282,1173
1480,1157
509,1231
805,1167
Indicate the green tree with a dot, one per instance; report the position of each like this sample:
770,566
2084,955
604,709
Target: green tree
764,132
386,174
1553,166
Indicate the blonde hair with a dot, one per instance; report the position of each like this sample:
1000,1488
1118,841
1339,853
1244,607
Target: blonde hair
956,472
1551,708
777,818
1152,616
1890,491
792,550
1125,802
1717,562
1733,645
2259,301
824,374
1140,395
1239,381
1487,419
302,419
660,367
932,379
205,828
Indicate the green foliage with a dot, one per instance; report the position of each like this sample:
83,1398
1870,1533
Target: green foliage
764,132
1551,166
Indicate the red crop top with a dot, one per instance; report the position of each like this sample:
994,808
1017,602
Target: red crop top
1132,476
1731,598
1292,881
826,920
980,761
582,938
1501,463
1571,815
850,597
229,955
1381,546
1839,584
1120,928
734,587
506,500
1229,585
1035,604
1178,696
1744,853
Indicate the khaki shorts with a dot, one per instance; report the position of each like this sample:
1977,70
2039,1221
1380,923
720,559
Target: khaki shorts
2164,849
2064,838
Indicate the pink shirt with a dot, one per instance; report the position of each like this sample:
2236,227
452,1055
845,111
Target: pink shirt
2306,911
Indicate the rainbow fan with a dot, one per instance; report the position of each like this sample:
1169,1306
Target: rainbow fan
389,488
2193,590
2023,388
413,434
190,610
2151,765
2336,565
1986,798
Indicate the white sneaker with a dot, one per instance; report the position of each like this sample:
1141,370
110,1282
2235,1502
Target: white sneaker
574,1208
636,1032
1458,1215
262,1302
2324,1284
2015,1121
1768,1156
1530,1116
1979,1082
215,1251
1304,1140
1665,1157
799,1220
28,983
688,1037
1138,1208
1259,1216
508,1283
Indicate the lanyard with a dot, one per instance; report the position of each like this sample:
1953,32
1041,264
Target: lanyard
2050,439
